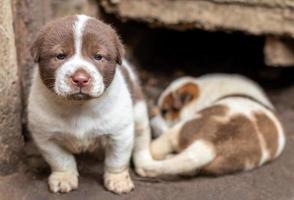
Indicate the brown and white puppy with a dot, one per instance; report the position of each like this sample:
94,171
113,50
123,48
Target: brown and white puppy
83,90
216,124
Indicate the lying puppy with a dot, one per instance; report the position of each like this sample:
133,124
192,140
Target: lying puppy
80,94
217,124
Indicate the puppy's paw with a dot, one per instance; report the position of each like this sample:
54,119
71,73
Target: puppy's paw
118,183
63,181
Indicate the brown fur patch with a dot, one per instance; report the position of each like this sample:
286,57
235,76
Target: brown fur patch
167,108
100,38
190,131
189,91
236,142
174,102
217,110
269,132
54,38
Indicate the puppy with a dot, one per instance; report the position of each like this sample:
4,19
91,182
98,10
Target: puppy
83,91
216,124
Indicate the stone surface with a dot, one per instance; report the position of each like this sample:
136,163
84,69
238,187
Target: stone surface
258,17
70,7
254,16
11,141
29,16
279,51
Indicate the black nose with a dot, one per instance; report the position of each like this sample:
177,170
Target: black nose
80,78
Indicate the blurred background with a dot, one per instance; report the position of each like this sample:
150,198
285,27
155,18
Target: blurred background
165,39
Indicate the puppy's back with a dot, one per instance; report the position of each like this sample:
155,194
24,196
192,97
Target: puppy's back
243,134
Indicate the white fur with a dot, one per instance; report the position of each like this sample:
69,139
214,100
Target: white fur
127,65
197,155
158,125
63,74
143,136
79,27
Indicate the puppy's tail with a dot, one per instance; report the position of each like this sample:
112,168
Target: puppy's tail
141,154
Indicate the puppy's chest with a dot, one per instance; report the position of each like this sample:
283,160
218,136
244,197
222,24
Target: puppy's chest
88,122
79,134
82,132
76,144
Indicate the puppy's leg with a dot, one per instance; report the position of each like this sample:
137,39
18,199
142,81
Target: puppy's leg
166,143
118,153
190,160
141,155
64,174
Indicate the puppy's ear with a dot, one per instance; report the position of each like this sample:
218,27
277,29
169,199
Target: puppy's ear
189,91
36,47
120,51
119,47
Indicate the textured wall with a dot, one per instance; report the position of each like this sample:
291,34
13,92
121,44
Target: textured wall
29,16
252,16
11,141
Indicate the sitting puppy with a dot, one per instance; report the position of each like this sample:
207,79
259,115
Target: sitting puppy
216,124
80,94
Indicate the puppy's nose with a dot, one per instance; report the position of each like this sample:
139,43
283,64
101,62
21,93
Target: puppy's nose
80,78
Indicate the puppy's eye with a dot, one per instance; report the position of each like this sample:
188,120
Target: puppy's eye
164,111
98,56
186,98
61,56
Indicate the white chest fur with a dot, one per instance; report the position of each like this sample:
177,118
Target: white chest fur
79,122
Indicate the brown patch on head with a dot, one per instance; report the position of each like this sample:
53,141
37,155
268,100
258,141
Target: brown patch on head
235,141
178,99
188,91
269,131
101,39
54,39
167,109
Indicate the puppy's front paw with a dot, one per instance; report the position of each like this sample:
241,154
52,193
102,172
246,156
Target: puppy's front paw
63,181
118,183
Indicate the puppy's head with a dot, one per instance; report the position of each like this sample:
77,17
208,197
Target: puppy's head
77,56
178,95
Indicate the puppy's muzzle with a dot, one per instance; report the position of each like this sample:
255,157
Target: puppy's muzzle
80,79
